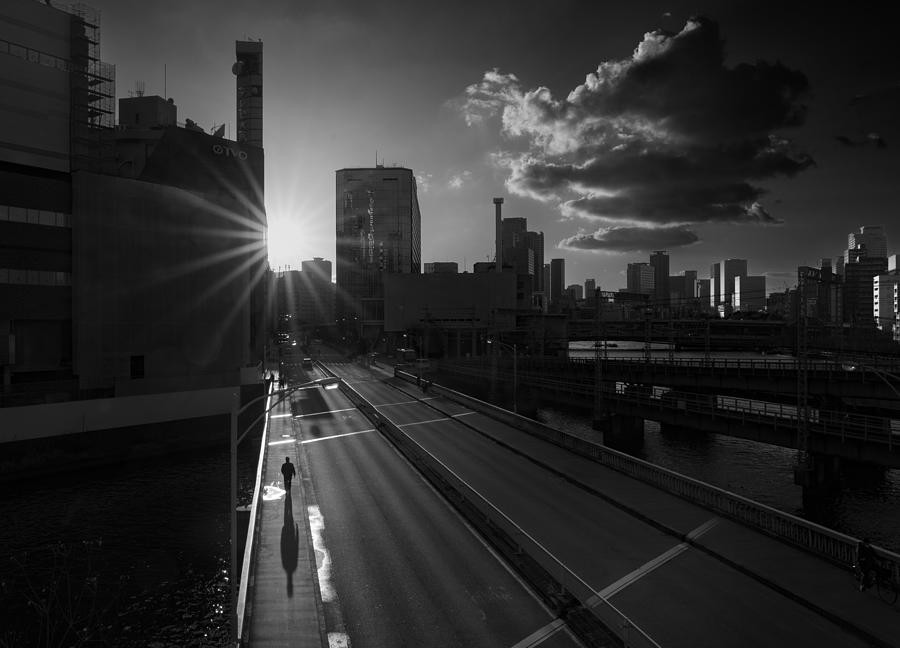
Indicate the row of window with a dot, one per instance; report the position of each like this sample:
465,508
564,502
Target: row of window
33,56
35,216
35,277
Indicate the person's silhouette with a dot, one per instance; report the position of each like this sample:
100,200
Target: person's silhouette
288,471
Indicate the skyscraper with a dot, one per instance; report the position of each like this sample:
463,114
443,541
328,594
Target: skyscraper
524,251
248,68
641,278
872,237
378,231
316,302
730,268
557,280
659,261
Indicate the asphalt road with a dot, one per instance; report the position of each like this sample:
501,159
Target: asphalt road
397,566
678,595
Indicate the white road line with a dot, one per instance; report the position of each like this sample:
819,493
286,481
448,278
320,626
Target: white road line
463,414
279,415
335,436
317,528
648,567
423,422
346,409
271,443
538,636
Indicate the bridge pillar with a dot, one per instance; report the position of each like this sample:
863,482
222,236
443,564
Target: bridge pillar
821,480
621,432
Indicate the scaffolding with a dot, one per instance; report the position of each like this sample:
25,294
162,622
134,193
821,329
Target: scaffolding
92,89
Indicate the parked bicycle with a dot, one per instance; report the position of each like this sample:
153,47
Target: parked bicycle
880,578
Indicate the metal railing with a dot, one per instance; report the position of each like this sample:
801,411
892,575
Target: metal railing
832,545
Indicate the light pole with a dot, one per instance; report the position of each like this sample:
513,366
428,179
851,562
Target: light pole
515,372
236,411
881,373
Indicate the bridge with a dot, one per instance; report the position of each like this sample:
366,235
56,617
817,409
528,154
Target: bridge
438,519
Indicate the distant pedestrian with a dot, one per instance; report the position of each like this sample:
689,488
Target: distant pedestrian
287,469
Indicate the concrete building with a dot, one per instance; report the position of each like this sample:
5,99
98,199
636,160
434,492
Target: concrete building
730,269
641,278
590,288
883,300
858,274
378,232
524,252
575,292
116,278
659,261
715,285
445,267
248,71
749,293
870,237
557,281
316,295
447,314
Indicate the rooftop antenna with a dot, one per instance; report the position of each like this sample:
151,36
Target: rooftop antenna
139,87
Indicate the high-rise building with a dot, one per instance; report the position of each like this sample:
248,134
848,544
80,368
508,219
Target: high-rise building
659,261
858,274
715,285
378,232
576,292
730,268
590,287
557,280
316,298
524,252
248,69
883,291
749,293
872,237
641,278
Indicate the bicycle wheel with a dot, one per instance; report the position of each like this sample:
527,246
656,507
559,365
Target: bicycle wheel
886,590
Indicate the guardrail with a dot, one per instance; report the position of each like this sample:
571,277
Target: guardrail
827,543
250,545
604,611
836,424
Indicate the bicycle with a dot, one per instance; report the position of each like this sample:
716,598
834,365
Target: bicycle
880,578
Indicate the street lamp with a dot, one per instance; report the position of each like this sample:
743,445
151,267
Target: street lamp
881,373
515,372
329,382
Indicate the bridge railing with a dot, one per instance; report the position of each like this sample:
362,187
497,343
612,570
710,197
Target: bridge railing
608,614
832,545
836,424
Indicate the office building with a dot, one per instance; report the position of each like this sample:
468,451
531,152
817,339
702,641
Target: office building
870,237
858,274
575,292
883,299
378,232
590,287
731,268
523,251
641,278
248,70
557,281
749,293
316,295
659,261
715,285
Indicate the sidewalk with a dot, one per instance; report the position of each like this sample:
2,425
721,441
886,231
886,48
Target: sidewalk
283,607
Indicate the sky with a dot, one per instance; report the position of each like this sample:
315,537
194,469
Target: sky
758,130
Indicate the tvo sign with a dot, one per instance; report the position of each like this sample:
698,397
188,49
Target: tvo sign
227,151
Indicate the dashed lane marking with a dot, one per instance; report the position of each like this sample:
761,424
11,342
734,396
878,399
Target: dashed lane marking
279,415
538,636
335,411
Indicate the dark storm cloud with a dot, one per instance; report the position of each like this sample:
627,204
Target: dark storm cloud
631,239
669,136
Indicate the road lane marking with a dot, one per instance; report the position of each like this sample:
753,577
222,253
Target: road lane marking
438,420
317,529
336,436
649,566
538,636
271,443
400,403
463,414
346,409
279,415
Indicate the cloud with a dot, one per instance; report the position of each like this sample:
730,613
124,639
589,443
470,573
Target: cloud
630,239
423,180
459,179
667,137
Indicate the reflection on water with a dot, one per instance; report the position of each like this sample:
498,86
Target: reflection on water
147,543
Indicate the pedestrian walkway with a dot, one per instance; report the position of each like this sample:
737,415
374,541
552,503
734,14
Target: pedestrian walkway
283,603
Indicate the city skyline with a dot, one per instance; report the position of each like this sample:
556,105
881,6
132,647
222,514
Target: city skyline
325,110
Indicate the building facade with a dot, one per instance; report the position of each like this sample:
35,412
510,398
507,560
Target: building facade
378,232
557,282
641,278
659,261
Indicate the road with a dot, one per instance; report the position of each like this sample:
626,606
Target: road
397,566
679,594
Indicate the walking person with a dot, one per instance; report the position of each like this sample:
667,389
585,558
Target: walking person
288,471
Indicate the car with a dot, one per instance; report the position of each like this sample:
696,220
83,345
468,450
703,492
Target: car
307,363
